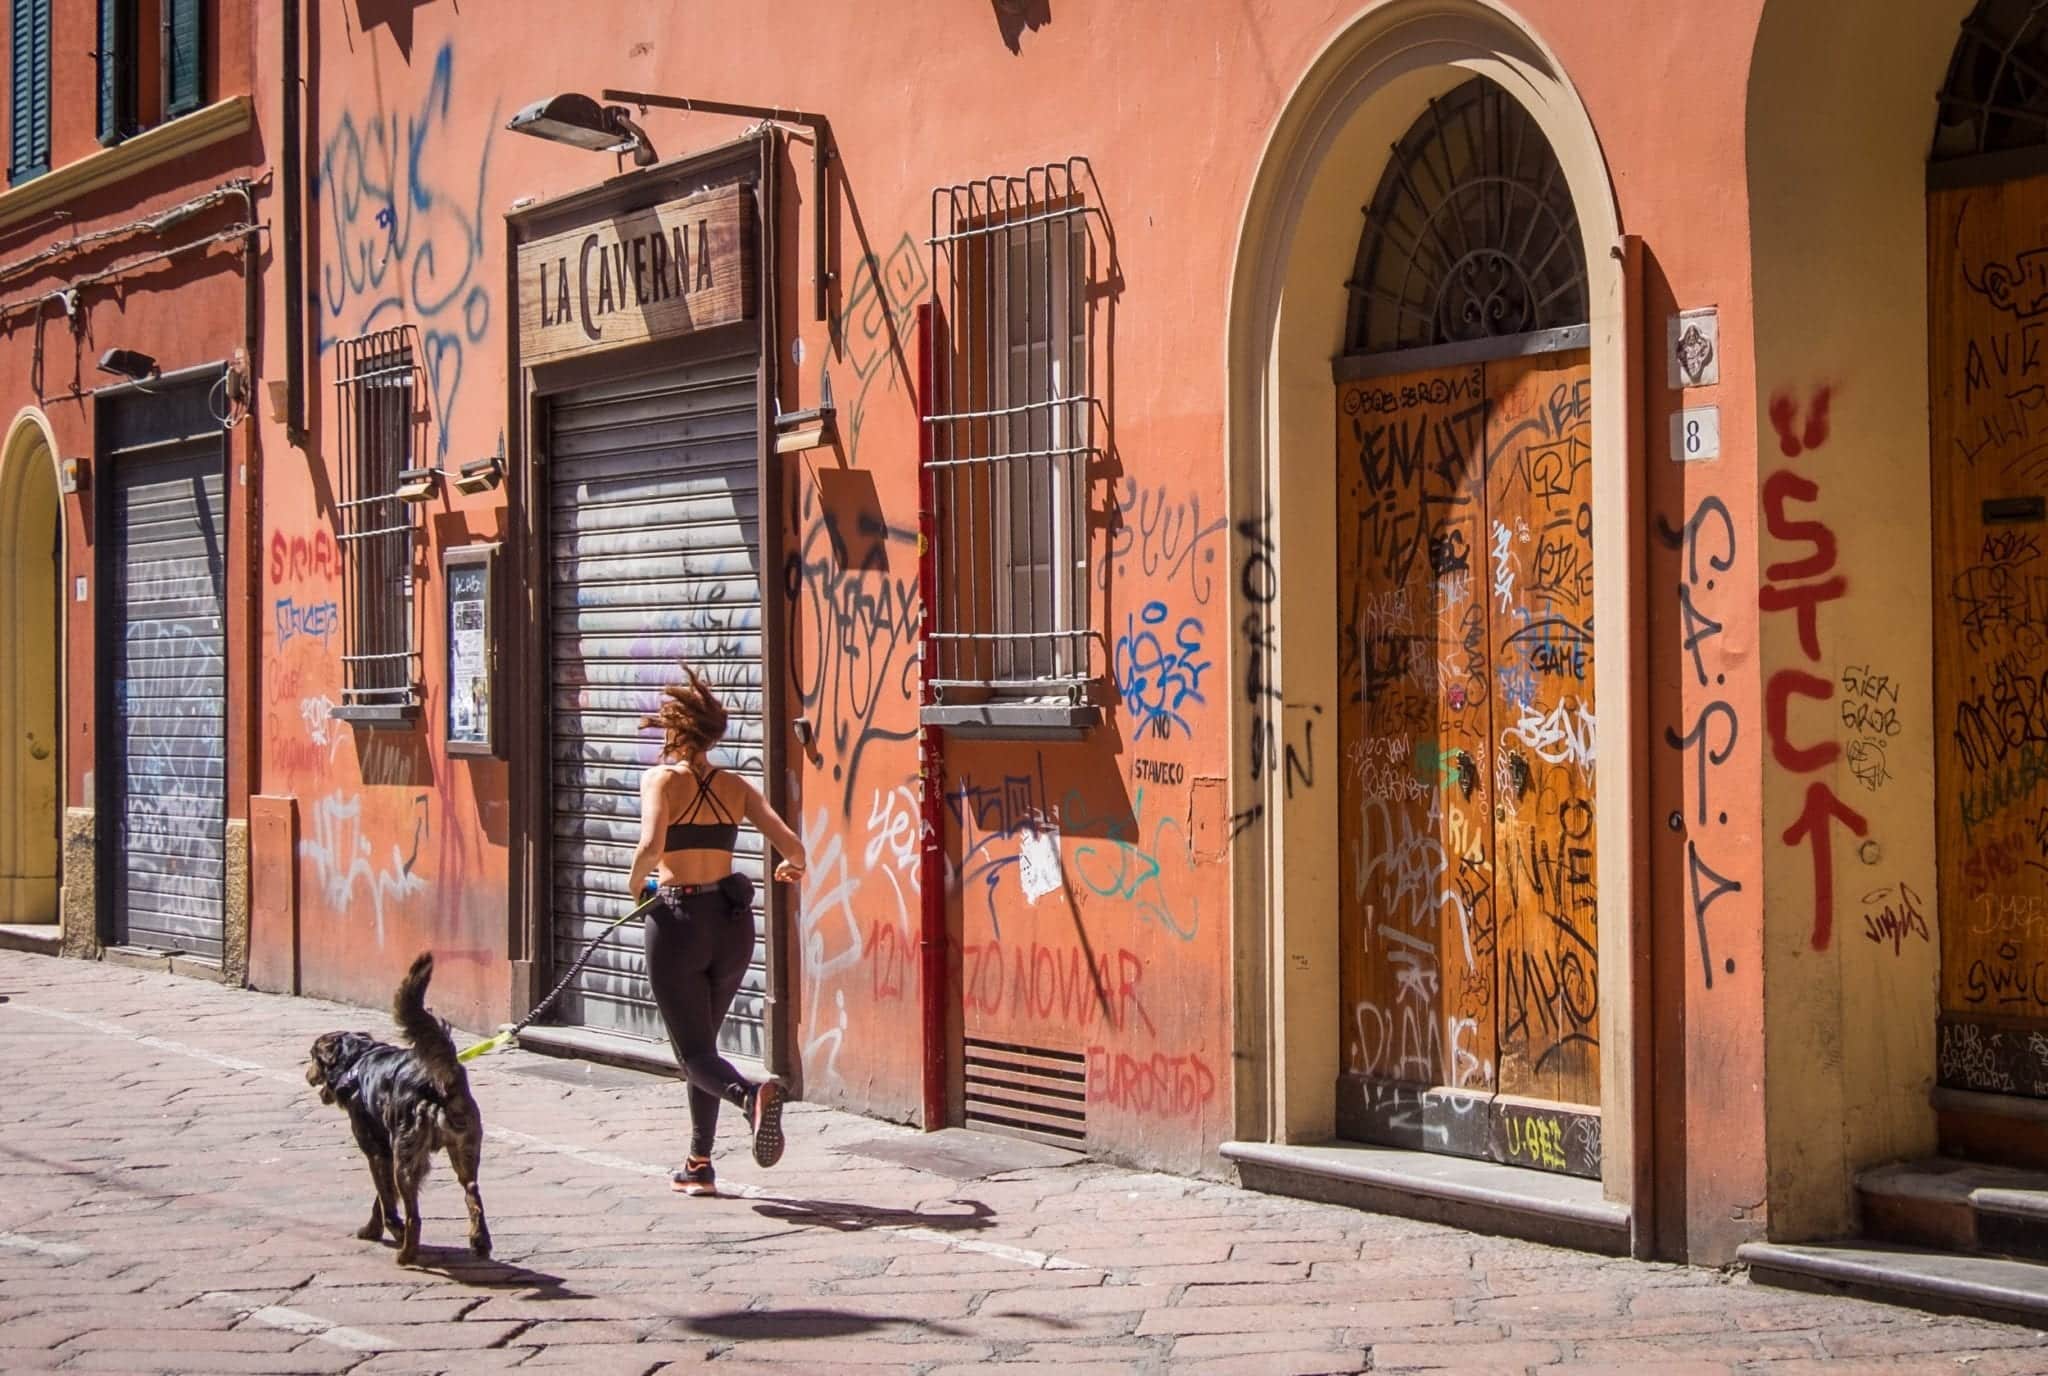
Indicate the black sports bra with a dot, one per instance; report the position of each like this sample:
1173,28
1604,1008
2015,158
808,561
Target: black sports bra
687,833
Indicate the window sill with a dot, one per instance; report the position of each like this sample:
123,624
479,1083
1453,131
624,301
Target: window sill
379,715
167,142
1016,721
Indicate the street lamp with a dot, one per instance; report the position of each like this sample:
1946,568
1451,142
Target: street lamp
581,122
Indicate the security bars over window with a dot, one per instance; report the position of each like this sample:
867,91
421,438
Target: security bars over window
376,385
1013,429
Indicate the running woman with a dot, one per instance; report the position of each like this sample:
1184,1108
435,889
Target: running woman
700,931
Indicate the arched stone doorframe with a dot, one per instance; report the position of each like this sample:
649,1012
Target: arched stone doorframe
1284,322
29,453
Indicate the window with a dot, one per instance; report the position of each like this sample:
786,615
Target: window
29,108
1470,235
1012,430
378,383
1994,100
151,63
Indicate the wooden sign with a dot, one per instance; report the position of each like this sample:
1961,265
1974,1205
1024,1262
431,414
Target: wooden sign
666,270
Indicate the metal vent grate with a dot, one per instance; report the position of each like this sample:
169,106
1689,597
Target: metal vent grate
1028,1091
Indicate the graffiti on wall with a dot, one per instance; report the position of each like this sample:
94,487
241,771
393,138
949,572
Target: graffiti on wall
1164,538
873,328
353,872
1274,745
853,619
1158,669
1800,587
406,226
1708,743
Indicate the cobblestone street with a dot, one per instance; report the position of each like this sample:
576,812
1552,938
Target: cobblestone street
174,1199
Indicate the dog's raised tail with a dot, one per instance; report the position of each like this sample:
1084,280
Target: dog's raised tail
427,1033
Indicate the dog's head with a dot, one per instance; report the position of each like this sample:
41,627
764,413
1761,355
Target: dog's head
334,1055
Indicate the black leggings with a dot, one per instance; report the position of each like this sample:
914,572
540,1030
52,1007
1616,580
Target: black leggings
699,940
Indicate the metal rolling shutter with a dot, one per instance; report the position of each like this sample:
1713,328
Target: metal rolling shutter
169,691
654,543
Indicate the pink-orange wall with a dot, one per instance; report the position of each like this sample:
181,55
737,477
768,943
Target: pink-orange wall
402,847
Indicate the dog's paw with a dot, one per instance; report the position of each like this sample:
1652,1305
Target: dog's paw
408,1255
371,1231
480,1245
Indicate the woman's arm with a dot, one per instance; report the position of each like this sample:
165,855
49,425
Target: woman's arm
778,832
647,854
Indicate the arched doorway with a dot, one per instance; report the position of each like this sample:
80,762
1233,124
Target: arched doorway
1468,939
31,712
1302,836
1987,203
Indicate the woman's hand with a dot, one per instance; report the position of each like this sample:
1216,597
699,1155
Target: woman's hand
788,872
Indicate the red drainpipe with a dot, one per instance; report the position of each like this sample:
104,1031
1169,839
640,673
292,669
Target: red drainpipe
933,984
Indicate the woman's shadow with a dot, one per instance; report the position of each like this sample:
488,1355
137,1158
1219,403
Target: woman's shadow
853,1218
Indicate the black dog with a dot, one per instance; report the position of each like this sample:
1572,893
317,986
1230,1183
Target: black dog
405,1105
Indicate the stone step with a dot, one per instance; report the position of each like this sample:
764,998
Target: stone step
2001,1288
1960,1206
1485,1197
37,938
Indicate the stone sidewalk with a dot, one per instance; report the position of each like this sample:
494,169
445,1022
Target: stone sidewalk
174,1199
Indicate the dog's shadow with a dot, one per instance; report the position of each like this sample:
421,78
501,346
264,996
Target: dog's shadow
854,1218
458,1265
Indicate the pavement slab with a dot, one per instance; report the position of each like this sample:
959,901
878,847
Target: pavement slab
174,1199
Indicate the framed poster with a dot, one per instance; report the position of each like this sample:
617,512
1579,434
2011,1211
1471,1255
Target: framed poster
471,717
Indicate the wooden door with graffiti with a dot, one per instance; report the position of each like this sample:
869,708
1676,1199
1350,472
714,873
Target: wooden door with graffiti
1988,355
1469,1019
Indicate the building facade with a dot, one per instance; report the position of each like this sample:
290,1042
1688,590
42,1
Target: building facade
131,259
1339,572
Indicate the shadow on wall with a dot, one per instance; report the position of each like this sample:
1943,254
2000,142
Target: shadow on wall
1015,16
395,15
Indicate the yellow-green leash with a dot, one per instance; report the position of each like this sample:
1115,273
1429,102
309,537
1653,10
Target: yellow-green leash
510,1032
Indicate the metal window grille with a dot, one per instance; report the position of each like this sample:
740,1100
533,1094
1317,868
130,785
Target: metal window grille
377,383
1995,99
1471,233
1013,433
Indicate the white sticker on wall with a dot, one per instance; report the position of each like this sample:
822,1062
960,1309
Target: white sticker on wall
79,586
1696,434
1692,350
1038,863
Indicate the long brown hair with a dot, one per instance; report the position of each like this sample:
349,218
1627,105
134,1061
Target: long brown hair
691,717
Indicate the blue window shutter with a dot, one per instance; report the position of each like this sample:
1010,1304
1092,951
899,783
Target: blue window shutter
29,96
115,54
184,57
20,110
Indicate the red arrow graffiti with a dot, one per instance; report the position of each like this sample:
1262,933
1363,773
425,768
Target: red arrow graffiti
1822,807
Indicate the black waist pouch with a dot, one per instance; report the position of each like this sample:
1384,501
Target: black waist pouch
738,890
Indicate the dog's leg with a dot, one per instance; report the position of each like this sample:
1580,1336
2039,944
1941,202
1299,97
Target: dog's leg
383,1208
407,1177
465,1156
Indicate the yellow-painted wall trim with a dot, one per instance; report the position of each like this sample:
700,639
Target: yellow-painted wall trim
31,696
153,148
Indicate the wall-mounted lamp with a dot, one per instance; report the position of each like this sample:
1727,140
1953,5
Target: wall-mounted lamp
480,475
74,476
799,430
129,363
581,122
418,484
